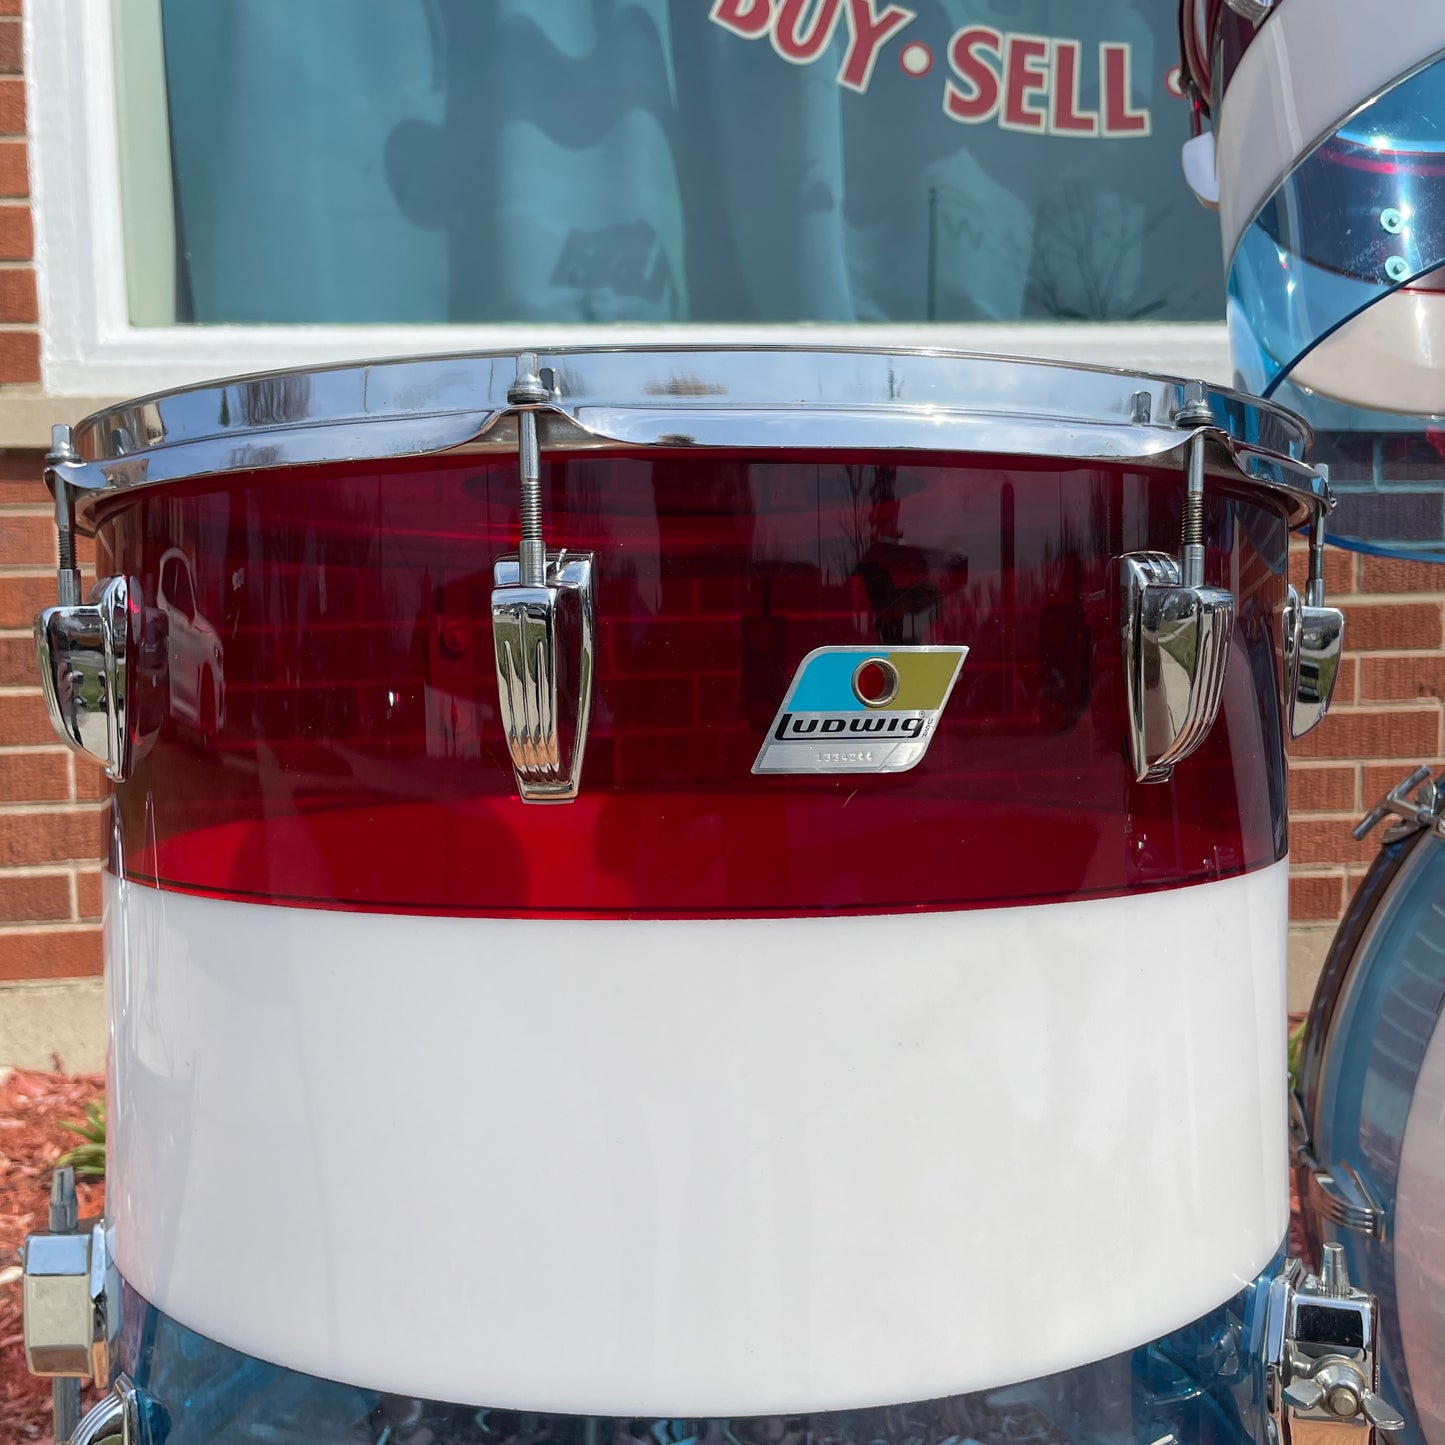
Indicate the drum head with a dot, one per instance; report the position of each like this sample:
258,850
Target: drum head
1373,1082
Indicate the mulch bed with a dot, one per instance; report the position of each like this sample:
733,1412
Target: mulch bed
32,1107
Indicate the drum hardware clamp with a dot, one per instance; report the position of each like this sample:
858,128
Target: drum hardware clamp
1338,1194
1322,1364
542,626
1423,810
70,1291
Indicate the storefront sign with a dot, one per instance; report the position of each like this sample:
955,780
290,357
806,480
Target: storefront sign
1015,80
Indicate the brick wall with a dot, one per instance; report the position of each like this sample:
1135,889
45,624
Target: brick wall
1386,719
50,817
19,336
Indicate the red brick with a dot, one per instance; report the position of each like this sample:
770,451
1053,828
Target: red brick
1389,574
22,479
1314,898
17,662
91,782
14,170
22,597
30,838
1324,841
1395,679
24,721
19,357
11,48
1381,778
1392,626
38,899
1339,570
12,106
1346,688
88,893
1392,734
61,953
19,464
34,778
1353,879
17,294
11,7
1322,790
27,541
17,232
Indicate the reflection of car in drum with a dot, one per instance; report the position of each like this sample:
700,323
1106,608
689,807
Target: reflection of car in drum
194,652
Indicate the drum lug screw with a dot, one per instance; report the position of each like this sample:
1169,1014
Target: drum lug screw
1314,638
85,649
542,626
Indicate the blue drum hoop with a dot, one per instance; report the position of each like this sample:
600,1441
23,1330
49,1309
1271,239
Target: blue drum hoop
1376,1006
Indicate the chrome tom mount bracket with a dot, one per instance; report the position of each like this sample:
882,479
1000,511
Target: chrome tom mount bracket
1314,638
1322,1362
1176,630
1414,804
85,649
542,625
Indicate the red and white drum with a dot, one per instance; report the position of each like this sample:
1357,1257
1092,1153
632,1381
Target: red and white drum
692,883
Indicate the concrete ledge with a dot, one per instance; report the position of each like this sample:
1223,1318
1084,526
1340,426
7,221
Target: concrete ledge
27,414
1308,945
48,1019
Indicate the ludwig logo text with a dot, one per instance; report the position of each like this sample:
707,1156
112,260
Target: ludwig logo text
860,710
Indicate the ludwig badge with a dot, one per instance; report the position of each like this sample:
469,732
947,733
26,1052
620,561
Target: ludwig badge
860,710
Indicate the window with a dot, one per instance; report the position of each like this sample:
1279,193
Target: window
354,176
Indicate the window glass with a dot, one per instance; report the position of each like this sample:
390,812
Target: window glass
697,161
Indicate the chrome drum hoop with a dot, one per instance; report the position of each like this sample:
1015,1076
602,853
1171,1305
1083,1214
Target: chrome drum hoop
778,398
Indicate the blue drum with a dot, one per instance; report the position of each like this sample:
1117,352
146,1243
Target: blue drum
1370,1104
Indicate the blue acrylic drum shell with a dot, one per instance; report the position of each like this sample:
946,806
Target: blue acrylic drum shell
1376,1010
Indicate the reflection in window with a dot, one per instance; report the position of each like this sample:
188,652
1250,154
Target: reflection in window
640,161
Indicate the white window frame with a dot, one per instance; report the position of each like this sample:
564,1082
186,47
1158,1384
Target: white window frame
89,347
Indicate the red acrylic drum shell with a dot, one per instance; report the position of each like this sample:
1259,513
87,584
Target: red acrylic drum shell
339,744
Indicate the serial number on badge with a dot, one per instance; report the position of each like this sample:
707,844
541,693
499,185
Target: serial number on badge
861,756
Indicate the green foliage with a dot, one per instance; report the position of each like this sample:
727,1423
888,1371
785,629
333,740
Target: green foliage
1296,1047
87,1158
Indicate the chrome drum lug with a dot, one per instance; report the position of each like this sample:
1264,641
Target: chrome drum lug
542,635
1314,638
85,651
1176,648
